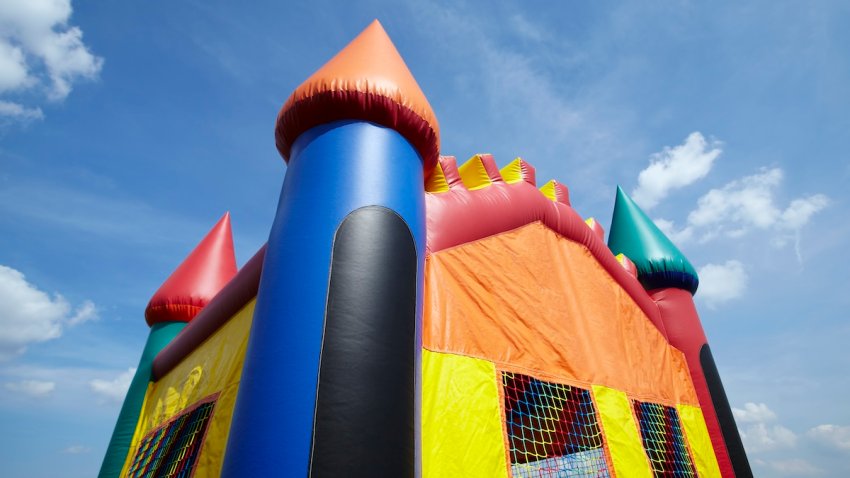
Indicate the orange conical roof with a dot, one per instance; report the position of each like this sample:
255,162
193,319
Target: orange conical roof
197,280
367,80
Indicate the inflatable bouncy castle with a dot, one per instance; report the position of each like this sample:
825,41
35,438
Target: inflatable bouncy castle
411,317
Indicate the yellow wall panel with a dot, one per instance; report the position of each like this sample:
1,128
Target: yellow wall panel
461,418
621,433
214,367
699,441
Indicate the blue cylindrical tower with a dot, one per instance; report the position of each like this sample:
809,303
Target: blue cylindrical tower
329,386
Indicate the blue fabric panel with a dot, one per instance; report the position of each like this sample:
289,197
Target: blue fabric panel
334,169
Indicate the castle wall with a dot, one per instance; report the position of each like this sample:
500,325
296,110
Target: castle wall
211,372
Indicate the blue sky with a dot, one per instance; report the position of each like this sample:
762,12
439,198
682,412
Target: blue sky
128,128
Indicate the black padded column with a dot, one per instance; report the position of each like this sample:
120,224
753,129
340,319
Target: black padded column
364,422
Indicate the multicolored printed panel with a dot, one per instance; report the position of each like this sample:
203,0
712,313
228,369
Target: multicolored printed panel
172,450
661,433
552,428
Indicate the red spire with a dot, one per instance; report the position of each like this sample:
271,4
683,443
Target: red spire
197,280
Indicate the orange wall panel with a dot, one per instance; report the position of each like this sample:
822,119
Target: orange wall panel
534,302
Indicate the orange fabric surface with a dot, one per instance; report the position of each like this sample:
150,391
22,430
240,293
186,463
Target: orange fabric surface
682,378
369,66
536,303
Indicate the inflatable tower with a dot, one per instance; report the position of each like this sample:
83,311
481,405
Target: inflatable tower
412,317
189,288
671,280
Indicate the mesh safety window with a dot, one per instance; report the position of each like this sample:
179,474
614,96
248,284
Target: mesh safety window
552,429
171,451
661,433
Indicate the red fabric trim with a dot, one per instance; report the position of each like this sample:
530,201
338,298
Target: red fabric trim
177,311
686,334
329,106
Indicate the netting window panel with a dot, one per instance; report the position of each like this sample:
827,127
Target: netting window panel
663,440
172,450
553,429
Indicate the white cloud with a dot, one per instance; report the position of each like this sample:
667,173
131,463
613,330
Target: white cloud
29,315
801,210
16,112
13,68
747,201
113,390
761,437
831,435
794,467
73,393
720,283
76,449
86,312
32,388
761,434
669,230
674,168
753,412
39,47
748,204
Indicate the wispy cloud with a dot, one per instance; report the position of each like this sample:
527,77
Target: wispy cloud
13,67
29,315
762,434
514,82
17,113
527,29
834,436
762,437
749,204
674,168
732,211
678,236
113,390
754,413
31,388
90,213
793,467
87,311
71,391
524,102
76,449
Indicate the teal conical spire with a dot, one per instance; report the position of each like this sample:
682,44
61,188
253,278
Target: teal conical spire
659,263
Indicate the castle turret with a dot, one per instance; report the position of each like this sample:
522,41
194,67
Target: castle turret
189,288
329,385
671,281
659,263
